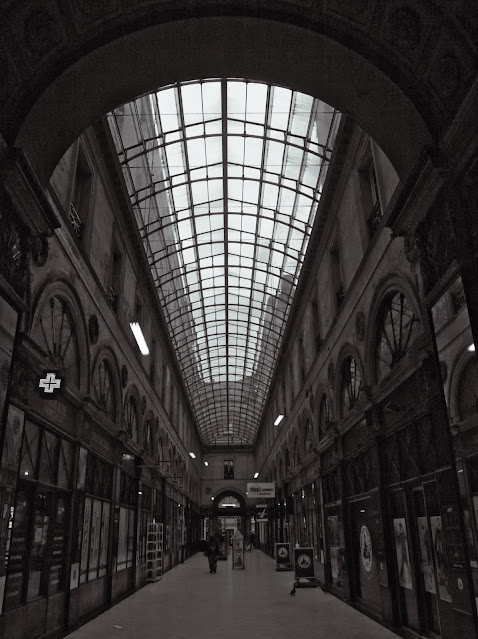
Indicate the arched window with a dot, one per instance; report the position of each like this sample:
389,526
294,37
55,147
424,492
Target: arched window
229,501
296,451
308,437
467,395
131,418
397,327
148,435
324,416
54,332
350,385
103,389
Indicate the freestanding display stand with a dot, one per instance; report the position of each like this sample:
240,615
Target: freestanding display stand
238,551
304,568
283,559
154,552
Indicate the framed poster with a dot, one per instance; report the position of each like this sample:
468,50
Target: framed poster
366,549
401,549
440,557
426,559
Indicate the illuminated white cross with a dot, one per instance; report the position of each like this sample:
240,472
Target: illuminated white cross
49,383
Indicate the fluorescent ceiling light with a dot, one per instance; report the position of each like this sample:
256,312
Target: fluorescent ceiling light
256,475
138,333
278,420
206,463
471,348
193,455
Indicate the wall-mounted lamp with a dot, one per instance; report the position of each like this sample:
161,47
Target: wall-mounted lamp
256,475
471,348
138,333
278,420
206,463
193,455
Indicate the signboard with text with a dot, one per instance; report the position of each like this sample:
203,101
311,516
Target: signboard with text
261,490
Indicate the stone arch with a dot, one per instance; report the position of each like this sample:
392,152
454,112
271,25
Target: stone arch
131,407
388,284
346,352
363,75
64,292
226,492
107,354
461,362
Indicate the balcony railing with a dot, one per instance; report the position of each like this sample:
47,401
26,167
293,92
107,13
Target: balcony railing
75,221
375,218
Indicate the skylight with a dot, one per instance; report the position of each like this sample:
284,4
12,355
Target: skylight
224,178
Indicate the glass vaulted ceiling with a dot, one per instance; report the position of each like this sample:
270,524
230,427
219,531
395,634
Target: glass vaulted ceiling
224,178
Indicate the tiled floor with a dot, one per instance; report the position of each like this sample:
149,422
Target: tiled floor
191,603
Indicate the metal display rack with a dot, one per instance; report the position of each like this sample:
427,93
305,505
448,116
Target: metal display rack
154,552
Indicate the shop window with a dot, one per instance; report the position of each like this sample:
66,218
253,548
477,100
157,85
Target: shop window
228,469
350,386
36,550
467,395
104,390
30,449
48,458
397,327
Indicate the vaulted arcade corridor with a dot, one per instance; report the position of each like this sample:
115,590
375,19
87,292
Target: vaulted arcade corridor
238,275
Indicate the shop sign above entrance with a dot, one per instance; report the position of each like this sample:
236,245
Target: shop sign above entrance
261,490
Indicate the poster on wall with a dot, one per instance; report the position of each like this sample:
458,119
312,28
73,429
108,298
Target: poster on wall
333,530
366,549
335,561
426,561
440,557
401,549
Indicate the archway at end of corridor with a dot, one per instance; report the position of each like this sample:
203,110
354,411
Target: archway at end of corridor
77,68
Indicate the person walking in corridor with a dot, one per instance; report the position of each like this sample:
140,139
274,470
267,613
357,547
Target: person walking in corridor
252,538
212,554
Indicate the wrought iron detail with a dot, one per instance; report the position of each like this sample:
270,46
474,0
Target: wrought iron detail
75,221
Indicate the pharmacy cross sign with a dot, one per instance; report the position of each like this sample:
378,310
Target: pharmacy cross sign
49,383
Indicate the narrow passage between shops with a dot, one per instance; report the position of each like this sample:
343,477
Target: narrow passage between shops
191,603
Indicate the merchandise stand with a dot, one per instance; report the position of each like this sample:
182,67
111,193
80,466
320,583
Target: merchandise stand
154,552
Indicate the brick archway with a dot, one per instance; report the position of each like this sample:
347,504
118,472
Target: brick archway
383,63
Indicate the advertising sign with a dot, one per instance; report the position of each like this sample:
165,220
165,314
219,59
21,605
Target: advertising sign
261,490
283,558
261,514
304,563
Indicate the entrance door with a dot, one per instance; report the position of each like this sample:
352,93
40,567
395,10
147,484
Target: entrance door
364,548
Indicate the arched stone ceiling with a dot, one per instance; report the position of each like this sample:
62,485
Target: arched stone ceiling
391,65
